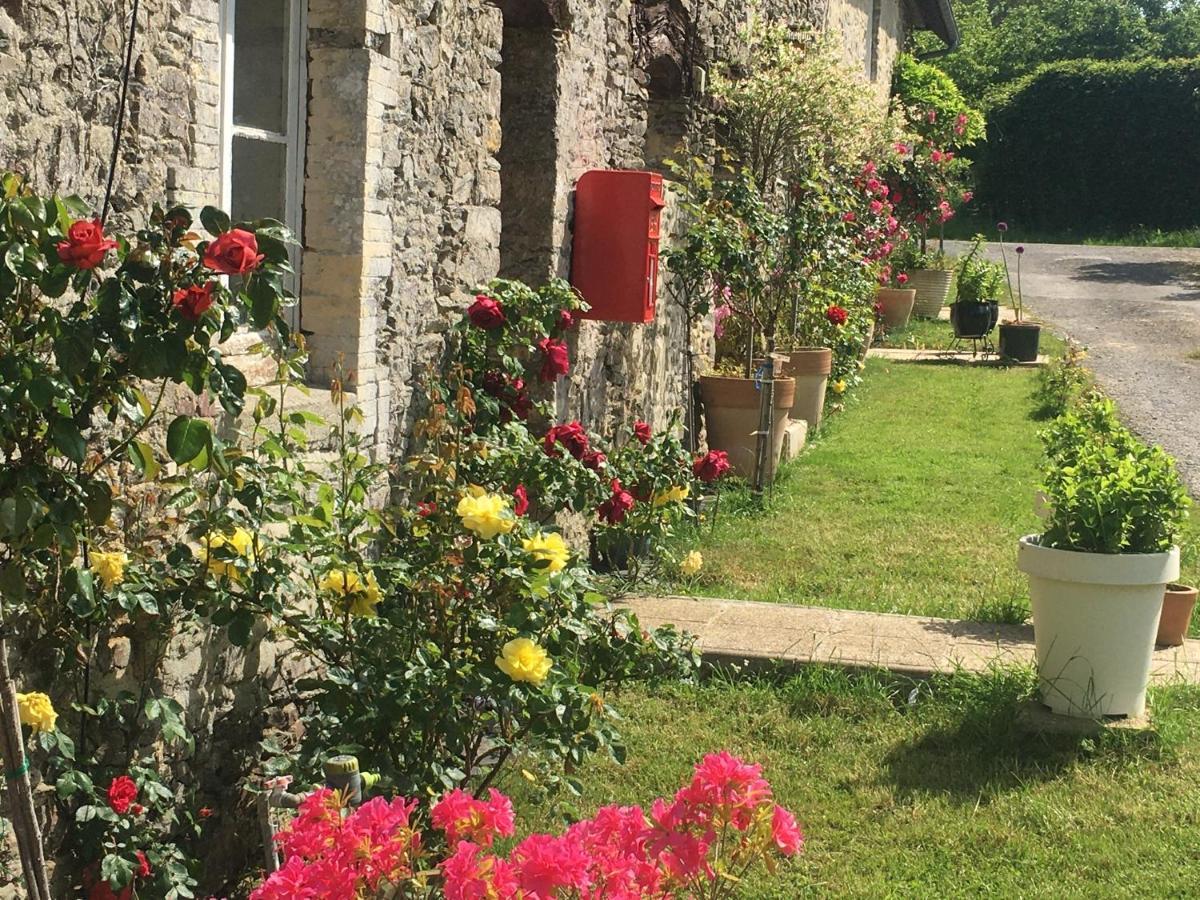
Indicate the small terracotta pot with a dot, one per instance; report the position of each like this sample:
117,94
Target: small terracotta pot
897,305
1178,603
731,409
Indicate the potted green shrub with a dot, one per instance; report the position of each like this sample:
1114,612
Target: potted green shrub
976,308
1019,339
1098,572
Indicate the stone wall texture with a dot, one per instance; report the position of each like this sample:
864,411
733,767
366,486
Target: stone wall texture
443,140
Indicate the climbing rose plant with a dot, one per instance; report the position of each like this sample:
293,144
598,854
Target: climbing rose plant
701,843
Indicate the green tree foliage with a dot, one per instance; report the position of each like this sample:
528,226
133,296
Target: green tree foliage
1006,39
1097,144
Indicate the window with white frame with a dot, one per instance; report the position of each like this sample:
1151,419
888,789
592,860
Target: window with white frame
263,102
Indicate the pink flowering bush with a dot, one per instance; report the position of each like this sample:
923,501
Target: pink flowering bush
701,843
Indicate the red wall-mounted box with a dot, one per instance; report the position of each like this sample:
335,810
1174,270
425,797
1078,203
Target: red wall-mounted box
614,255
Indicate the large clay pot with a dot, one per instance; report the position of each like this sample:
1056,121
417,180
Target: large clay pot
933,290
1178,603
731,408
896,305
810,367
1095,618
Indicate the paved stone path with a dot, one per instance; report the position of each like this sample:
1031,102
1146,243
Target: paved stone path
1137,310
747,631
948,357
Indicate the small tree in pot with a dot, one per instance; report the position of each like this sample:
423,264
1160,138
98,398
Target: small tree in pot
1097,573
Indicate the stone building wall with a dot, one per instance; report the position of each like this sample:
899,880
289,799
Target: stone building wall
443,141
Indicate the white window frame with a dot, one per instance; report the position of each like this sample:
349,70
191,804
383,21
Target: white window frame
296,137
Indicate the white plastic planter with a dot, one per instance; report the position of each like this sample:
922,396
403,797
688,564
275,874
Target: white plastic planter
1095,616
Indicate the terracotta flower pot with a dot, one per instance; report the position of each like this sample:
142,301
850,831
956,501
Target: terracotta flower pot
1178,603
810,367
933,290
897,305
731,408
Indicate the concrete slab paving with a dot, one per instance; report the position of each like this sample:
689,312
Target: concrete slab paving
949,357
748,631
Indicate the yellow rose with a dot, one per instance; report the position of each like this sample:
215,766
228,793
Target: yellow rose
36,711
240,540
839,387
485,514
550,546
109,566
675,494
692,563
359,595
523,660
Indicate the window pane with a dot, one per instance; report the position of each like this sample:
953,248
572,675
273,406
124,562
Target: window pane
259,180
260,70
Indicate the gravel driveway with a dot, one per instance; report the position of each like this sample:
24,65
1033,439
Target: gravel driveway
1137,310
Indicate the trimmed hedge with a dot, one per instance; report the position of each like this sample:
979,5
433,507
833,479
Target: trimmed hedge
1091,144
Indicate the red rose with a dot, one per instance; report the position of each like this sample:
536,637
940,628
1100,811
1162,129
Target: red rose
642,431
192,302
121,794
204,812
520,501
486,312
902,279
85,245
616,507
143,869
837,315
555,359
712,465
426,509
233,253
594,459
522,403
572,436
494,383
138,809
566,320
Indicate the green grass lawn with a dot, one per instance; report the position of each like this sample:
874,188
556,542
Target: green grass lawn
910,501
943,796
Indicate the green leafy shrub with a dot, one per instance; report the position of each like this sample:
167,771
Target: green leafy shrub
979,279
1062,384
1099,145
1107,491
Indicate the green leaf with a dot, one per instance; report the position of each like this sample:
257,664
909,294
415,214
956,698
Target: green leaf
116,870
264,300
239,628
187,438
66,436
81,591
142,456
214,220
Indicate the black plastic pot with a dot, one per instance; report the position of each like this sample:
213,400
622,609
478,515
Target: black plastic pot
1019,341
615,554
974,318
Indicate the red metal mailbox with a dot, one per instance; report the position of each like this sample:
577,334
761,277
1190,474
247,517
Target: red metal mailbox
614,256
